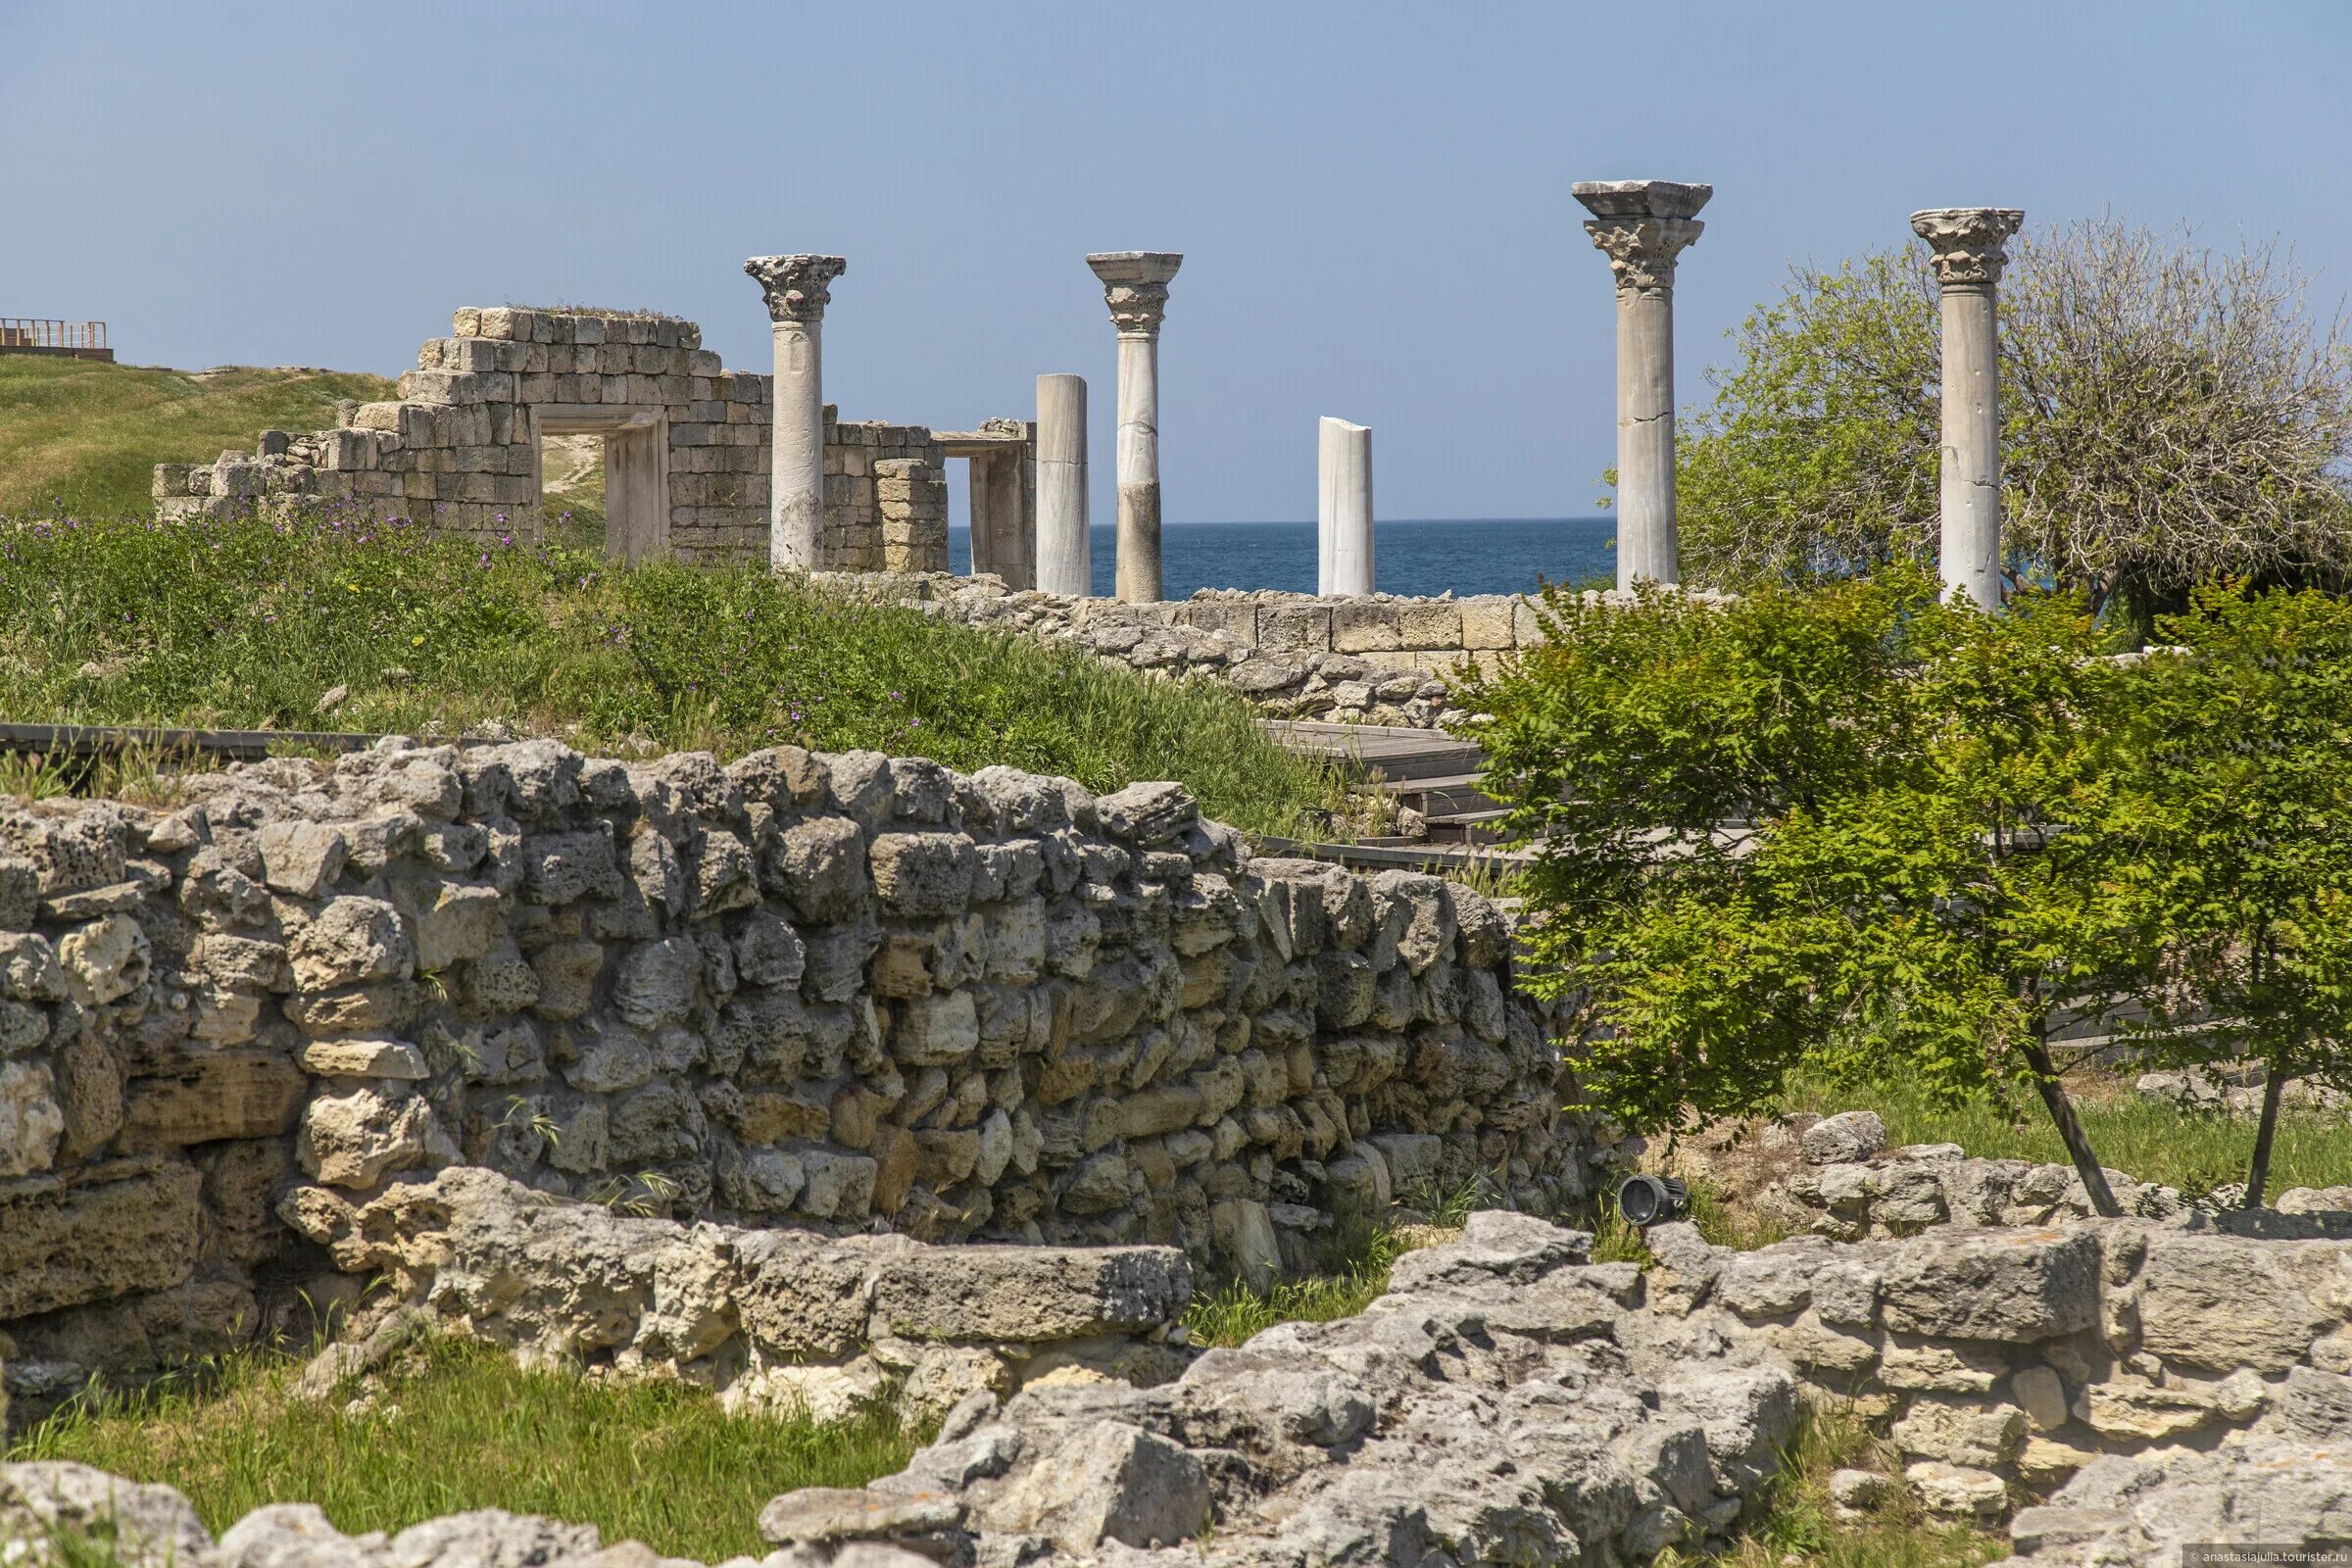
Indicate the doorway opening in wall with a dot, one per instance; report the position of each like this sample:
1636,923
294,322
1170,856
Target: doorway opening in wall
571,491
608,466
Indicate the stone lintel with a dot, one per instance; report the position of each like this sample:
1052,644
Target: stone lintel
798,287
1640,198
964,443
1968,242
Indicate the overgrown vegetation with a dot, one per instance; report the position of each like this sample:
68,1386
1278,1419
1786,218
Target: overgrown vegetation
2153,1140
1794,1520
2172,414
83,437
1852,831
454,1425
1353,1262
355,625
1720,1222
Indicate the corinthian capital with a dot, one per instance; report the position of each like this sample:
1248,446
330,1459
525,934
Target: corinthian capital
1967,242
798,287
1641,225
1135,285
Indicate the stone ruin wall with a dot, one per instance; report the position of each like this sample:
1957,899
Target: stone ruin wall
2115,1391
460,448
1379,659
824,993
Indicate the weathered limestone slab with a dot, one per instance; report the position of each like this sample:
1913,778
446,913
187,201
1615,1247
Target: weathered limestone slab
114,1228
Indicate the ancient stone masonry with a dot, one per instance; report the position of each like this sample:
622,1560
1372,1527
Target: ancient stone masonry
688,449
830,993
1376,659
1968,246
774,1318
1643,225
2135,1385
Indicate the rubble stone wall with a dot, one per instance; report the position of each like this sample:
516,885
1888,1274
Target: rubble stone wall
822,991
768,1318
2008,1360
1508,1401
459,449
1379,659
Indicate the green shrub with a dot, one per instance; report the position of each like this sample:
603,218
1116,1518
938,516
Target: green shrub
1855,831
1848,827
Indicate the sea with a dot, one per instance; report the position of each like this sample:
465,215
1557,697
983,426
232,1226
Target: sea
1416,557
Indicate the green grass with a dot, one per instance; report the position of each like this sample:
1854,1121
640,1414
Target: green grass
1795,1523
1720,1222
2148,1140
247,625
1235,1313
457,1425
1354,1268
83,437
1354,1265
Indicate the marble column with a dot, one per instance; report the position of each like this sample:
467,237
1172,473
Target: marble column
1641,225
1065,561
1343,508
1135,284
1967,242
798,289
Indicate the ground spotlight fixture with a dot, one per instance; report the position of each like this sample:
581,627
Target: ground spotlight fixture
1647,1200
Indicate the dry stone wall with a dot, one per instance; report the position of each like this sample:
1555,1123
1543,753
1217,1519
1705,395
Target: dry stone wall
459,449
834,993
786,1319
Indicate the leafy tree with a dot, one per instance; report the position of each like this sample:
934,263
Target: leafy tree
2173,414
2244,725
1849,826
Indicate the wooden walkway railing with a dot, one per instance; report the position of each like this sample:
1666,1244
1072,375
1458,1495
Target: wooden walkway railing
33,334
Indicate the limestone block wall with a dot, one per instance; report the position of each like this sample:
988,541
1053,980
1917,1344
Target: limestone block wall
820,992
775,1318
886,500
459,449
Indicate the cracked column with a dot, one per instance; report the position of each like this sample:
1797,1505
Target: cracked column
1967,242
1064,553
798,289
1641,225
1343,508
1135,284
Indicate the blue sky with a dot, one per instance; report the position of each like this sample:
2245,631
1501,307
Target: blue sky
1372,198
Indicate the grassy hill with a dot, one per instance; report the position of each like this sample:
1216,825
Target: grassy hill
84,436
240,625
